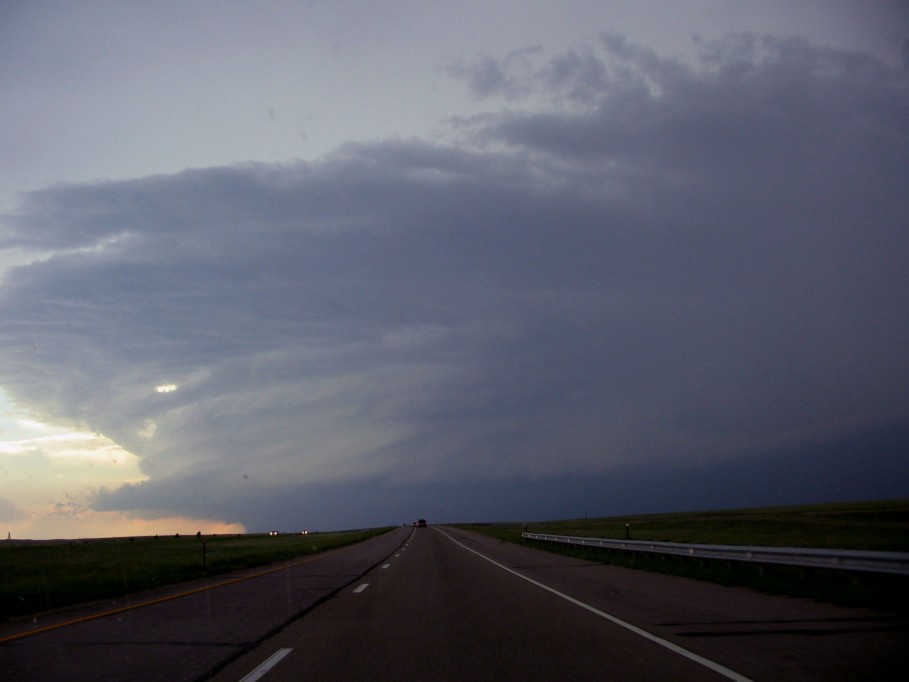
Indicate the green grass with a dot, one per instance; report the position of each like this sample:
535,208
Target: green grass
41,575
878,526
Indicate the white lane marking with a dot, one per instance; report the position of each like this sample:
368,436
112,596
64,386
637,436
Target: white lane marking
385,565
361,588
706,662
269,663
397,555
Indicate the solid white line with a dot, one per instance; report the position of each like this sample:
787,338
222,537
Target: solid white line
269,663
361,588
706,662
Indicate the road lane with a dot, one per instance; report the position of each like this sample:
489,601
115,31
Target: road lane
763,636
441,612
640,632
188,637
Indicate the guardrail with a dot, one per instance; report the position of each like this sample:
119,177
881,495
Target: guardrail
840,559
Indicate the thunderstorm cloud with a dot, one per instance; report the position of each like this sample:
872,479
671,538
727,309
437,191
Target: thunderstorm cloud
630,264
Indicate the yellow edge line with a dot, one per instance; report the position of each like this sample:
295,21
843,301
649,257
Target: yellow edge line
105,614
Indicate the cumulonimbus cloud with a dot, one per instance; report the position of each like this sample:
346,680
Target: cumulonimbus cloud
651,262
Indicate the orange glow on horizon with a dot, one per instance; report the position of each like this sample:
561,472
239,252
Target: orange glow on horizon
87,523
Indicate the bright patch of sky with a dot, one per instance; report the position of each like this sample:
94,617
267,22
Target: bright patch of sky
50,476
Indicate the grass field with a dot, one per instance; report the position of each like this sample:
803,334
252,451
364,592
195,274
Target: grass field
878,526
41,575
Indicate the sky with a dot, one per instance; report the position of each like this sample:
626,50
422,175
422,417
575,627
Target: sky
330,265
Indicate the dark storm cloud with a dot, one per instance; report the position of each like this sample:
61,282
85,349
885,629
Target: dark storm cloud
649,265
489,75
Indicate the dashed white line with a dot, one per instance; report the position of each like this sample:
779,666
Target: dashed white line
269,663
361,588
385,565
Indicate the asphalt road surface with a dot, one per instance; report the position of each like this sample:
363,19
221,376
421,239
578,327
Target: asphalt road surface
444,604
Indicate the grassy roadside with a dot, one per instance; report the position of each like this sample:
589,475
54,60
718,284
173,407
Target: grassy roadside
41,575
878,526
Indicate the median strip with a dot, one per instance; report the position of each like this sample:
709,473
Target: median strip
130,607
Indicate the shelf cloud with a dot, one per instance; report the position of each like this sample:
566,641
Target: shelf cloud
630,263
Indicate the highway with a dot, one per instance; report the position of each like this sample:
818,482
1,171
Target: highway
444,604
